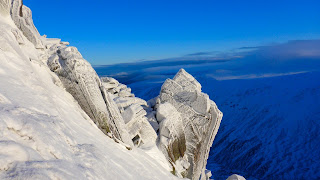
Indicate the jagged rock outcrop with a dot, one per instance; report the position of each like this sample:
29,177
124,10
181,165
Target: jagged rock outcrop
182,119
131,109
81,80
22,17
200,119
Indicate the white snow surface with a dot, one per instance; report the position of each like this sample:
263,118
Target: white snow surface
44,134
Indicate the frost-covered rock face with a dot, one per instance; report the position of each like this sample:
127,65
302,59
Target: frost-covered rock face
200,120
172,140
82,82
109,103
22,17
134,115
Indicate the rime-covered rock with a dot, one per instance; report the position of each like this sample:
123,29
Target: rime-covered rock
82,82
116,88
22,17
134,115
172,140
200,119
185,119
236,177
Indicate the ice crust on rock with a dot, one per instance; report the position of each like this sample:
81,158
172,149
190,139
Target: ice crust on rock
22,17
80,80
134,115
172,140
200,119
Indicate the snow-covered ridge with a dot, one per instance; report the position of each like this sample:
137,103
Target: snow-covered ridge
59,120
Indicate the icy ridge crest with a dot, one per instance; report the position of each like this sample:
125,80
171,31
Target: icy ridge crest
181,122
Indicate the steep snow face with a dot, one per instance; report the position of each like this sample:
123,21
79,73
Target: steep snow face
200,120
44,133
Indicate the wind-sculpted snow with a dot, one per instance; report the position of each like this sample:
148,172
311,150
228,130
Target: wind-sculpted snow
200,118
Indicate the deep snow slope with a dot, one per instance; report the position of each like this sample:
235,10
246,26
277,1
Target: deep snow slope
43,131
270,128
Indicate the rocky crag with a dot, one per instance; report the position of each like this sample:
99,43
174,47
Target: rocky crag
181,122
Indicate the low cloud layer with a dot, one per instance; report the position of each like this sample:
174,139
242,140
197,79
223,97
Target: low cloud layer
291,49
289,58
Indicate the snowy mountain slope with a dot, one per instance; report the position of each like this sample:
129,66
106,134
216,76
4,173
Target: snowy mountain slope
270,128
44,134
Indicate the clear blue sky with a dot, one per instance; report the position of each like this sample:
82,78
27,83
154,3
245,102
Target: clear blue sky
114,31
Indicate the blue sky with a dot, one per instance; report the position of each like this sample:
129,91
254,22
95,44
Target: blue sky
117,31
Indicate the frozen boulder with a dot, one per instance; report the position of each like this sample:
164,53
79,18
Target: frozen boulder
109,83
236,177
134,115
116,88
139,128
22,17
124,102
200,119
172,140
82,82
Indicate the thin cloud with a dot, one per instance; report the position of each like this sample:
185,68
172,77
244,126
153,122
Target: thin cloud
250,47
254,76
291,49
200,54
